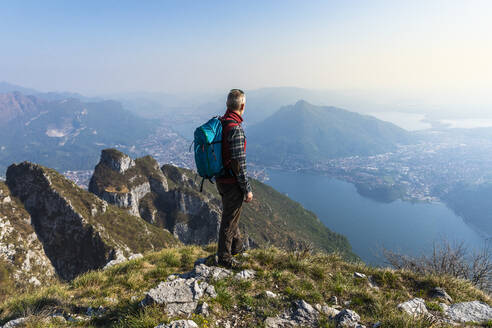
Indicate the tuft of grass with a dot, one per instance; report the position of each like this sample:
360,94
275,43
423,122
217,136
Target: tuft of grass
433,306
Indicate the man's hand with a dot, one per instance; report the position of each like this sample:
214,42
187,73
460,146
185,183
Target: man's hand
249,197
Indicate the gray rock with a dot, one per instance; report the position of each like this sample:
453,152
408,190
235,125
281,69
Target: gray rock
15,323
207,273
278,322
414,307
304,312
469,312
203,309
326,310
347,319
180,296
270,294
377,325
301,314
179,324
444,306
245,274
120,258
440,293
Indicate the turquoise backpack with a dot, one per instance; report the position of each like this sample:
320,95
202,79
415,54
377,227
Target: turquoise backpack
208,150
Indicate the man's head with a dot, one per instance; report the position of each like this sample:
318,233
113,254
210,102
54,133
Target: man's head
236,101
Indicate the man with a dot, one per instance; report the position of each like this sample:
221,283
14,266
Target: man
233,186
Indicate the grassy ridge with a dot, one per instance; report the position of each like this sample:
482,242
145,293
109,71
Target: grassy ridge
314,277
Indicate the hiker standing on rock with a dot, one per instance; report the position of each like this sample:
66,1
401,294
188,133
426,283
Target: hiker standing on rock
233,186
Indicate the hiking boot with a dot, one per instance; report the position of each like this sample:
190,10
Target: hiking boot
234,253
229,264
239,250
211,260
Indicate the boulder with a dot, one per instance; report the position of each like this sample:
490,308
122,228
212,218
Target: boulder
347,319
180,296
270,294
469,312
304,312
300,314
414,307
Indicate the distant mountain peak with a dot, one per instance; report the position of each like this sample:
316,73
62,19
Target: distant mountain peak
302,102
306,133
6,87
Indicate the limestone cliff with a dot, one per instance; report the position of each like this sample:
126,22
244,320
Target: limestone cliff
79,231
22,257
142,188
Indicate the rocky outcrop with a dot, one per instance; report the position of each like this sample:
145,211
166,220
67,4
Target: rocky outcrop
143,189
21,253
414,307
347,319
118,181
179,296
469,312
79,231
116,160
302,314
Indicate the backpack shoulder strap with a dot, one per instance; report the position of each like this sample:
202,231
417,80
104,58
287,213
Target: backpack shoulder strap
229,124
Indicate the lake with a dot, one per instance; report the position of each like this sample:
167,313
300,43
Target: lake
410,228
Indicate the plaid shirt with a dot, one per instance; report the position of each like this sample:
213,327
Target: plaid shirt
237,140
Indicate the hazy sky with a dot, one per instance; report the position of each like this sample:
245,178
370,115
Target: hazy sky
423,52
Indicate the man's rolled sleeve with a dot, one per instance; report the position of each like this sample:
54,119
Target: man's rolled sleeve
238,158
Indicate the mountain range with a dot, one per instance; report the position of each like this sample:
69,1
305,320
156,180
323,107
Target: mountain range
63,134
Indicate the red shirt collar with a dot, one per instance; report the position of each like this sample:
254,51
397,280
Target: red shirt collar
233,115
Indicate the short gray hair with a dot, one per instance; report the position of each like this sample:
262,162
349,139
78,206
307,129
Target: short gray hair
235,99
